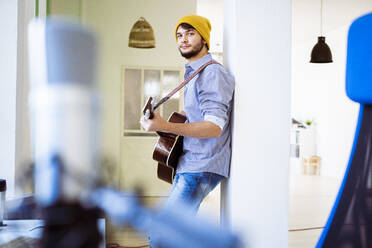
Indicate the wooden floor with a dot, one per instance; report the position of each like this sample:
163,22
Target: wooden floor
311,199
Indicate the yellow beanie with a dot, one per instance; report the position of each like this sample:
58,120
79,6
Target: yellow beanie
201,24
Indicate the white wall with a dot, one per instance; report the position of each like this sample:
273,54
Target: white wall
213,10
258,53
8,72
318,90
70,8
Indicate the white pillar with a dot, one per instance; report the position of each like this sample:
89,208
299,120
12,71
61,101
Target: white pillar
14,124
23,156
257,51
8,82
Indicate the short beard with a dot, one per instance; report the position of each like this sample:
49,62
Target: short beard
193,52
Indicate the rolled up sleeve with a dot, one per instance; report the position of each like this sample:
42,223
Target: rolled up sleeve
215,94
215,120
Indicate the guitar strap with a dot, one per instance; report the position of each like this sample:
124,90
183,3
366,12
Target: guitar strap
181,85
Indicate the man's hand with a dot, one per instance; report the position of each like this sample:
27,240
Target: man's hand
155,124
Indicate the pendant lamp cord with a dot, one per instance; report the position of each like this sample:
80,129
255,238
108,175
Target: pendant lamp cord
321,17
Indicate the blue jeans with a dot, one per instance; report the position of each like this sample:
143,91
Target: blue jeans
191,189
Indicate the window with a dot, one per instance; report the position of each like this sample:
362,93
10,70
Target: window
139,83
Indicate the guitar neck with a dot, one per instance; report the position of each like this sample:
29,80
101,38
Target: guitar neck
163,100
148,107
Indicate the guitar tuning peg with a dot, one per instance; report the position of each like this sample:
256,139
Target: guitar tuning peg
147,114
153,102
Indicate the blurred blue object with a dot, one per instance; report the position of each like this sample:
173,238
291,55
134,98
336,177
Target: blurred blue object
174,226
350,221
359,62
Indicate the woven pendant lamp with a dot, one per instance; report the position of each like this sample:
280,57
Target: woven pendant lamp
321,52
142,35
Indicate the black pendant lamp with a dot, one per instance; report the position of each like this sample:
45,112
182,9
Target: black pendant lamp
321,52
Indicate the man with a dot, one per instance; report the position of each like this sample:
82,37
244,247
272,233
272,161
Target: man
207,106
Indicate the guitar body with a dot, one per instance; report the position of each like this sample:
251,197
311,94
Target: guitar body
168,149
169,146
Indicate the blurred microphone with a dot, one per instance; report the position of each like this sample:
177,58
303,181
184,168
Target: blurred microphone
64,111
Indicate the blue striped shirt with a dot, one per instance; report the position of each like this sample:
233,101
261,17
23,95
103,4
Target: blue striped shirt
208,97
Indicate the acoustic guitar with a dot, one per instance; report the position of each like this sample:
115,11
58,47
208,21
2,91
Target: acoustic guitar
169,146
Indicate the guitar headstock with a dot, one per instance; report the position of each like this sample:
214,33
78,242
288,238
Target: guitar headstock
148,108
